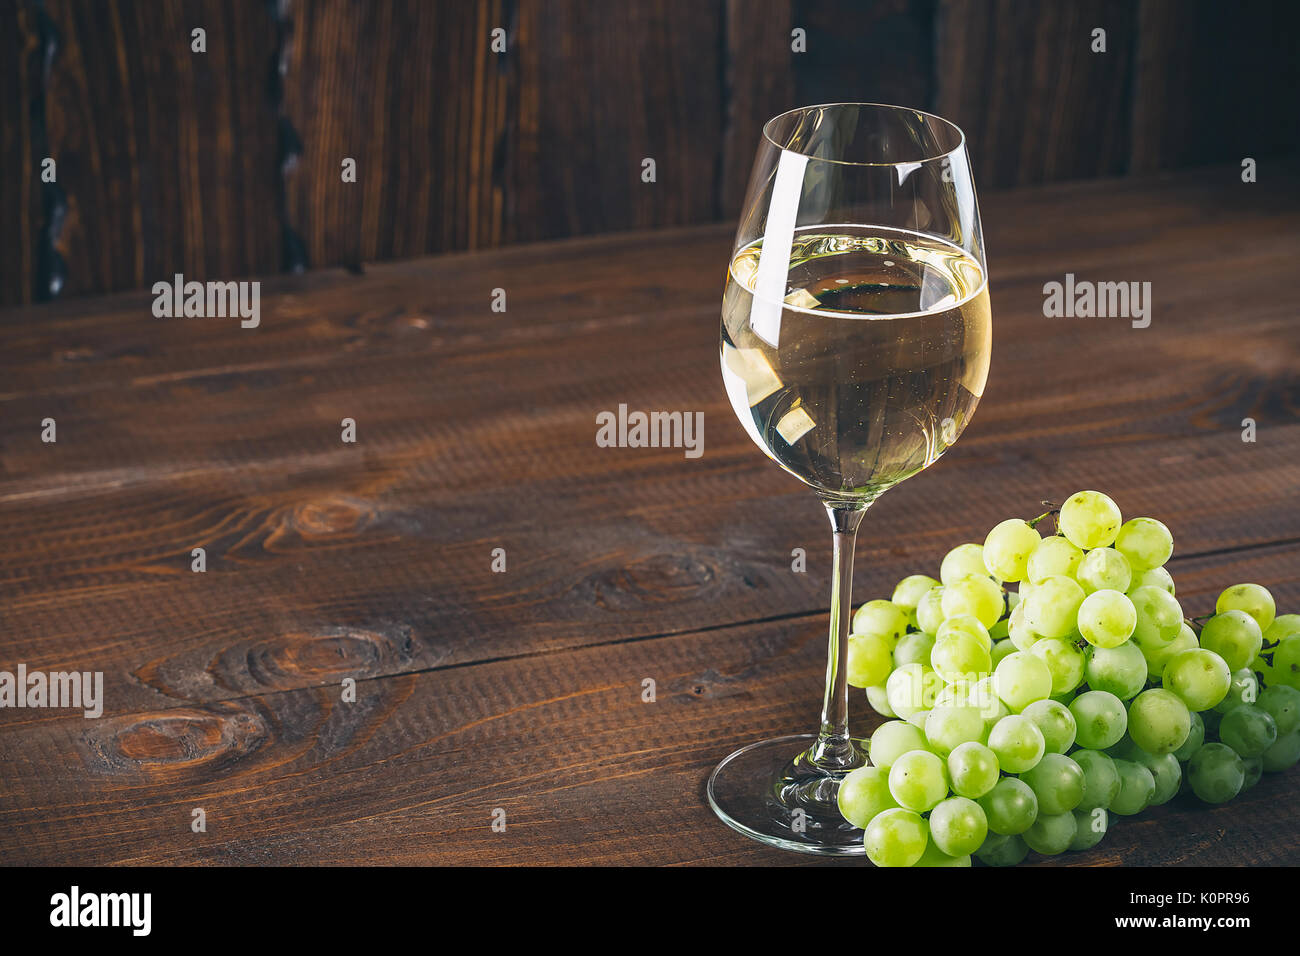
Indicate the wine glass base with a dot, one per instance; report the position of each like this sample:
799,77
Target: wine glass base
768,791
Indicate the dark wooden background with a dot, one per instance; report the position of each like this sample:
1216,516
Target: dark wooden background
221,165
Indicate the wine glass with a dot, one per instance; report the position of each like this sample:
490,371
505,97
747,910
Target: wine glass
856,335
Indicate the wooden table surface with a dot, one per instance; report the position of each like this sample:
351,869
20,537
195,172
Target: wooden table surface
522,690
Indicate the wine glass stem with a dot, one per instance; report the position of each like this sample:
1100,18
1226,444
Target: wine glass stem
834,750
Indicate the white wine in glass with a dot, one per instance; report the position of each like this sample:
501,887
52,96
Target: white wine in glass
855,341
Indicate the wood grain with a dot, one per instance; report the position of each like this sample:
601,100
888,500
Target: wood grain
20,211
1035,102
759,84
167,155
611,85
1189,55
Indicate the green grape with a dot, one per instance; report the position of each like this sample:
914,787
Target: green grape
917,719
1107,618
881,617
863,793
984,698
1052,608
1146,543
1051,833
1253,599
1195,737
1018,743
1253,768
1282,703
1249,730
896,837
1199,676
1165,771
1103,569
1137,786
878,698
1100,778
975,594
946,728
929,613
871,658
1157,657
1284,754
1216,773
1090,827
1001,649
999,849
972,769
1158,721
1089,519
1055,721
1234,636
958,826
1286,661
960,561
1021,679
1284,625
911,688
960,657
918,780
1064,661
1010,807
1057,782
910,590
1124,748
1244,689
1007,549
1055,556
891,740
1154,578
933,856
953,695
1121,670
1100,719
967,624
1021,635
913,648
1159,616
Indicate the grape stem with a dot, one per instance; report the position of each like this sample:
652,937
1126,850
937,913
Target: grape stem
1047,514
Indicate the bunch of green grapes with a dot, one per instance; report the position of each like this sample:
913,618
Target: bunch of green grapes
1028,719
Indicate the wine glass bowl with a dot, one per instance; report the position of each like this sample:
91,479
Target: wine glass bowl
855,343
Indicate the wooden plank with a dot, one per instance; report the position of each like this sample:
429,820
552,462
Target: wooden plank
609,85
1036,103
167,151
282,604
880,52
587,773
759,84
20,210
1203,69
411,91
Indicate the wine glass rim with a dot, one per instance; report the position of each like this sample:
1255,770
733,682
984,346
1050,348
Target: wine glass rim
961,134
